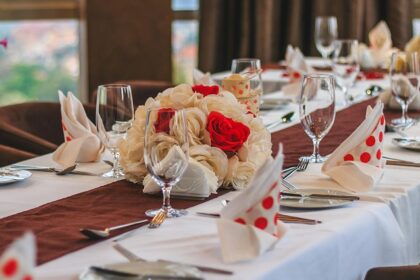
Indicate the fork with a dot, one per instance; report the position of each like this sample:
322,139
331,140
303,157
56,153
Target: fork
158,219
288,185
302,166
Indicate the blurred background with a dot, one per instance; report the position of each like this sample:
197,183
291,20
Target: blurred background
76,45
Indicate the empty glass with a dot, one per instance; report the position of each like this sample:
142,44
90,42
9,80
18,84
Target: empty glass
404,73
317,109
166,153
114,116
346,65
325,35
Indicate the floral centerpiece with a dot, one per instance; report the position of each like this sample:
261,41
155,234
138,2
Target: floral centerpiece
225,140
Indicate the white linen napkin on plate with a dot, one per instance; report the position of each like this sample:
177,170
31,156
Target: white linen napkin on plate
18,260
197,180
357,163
296,68
81,143
248,225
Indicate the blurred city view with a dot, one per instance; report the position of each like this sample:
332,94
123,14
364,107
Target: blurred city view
42,56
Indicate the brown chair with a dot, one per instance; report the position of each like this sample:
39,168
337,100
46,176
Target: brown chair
34,127
411,272
9,155
141,89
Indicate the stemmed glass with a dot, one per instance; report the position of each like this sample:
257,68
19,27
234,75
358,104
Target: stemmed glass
114,116
317,109
404,73
166,152
346,65
325,35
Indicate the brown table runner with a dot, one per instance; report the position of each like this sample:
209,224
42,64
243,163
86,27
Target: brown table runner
57,224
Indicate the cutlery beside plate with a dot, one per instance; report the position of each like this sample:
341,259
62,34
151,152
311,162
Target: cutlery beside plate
316,199
49,169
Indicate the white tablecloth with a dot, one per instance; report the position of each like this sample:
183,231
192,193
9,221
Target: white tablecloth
381,229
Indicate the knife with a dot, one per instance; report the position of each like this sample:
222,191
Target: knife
112,272
321,196
402,163
48,169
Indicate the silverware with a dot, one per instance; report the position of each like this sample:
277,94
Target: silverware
117,273
281,217
110,163
49,169
134,258
302,166
373,90
66,170
98,234
320,196
402,163
158,219
284,119
288,185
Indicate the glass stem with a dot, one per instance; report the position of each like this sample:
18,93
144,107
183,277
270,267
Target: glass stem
116,166
166,190
316,154
404,107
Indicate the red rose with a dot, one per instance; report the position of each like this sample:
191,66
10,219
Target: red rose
206,90
225,133
164,117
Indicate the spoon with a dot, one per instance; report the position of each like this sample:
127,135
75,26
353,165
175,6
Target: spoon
98,234
110,163
66,170
284,119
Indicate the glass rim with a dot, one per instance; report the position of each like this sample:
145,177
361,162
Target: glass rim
245,59
318,75
346,40
113,86
324,17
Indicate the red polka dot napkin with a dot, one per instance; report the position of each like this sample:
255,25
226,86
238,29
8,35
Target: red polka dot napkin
18,261
81,143
357,163
249,224
296,68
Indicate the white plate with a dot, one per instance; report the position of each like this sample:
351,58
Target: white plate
410,143
15,176
315,203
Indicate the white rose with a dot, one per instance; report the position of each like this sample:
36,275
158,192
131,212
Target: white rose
195,122
239,173
178,97
212,158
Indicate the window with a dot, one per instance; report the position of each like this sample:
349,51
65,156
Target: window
43,50
184,39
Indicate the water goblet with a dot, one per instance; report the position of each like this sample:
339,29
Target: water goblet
346,65
166,153
404,72
325,35
114,116
317,109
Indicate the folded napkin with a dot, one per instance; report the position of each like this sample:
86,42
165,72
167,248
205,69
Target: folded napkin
249,226
357,163
197,180
18,260
81,143
386,97
296,68
380,47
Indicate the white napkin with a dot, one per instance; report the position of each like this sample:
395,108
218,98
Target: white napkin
386,97
18,260
296,68
248,226
81,143
380,47
357,163
199,78
197,180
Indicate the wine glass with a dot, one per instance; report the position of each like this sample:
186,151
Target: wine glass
346,65
325,35
404,73
114,116
249,68
166,152
317,109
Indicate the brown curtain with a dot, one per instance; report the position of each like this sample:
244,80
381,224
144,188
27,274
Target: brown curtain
263,28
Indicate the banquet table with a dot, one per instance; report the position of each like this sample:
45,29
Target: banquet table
381,229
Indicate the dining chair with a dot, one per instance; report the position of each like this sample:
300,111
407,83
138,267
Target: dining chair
9,155
141,90
411,272
34,127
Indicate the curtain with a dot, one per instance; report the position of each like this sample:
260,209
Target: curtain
263,28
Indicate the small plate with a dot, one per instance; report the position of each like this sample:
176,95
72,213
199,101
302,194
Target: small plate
8,176
315,203
410,143
272,104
